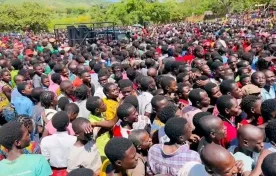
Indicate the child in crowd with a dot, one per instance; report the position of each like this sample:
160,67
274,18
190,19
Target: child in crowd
111,101
56,148
127,114
84,152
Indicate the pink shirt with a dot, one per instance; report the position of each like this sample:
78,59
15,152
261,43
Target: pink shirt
51,129
54,88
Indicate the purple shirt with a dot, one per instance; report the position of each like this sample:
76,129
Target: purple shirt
164,163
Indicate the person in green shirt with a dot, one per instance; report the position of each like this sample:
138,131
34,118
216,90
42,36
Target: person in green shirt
17,65
14,136
101,130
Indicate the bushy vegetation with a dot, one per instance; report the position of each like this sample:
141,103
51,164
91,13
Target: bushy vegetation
37,16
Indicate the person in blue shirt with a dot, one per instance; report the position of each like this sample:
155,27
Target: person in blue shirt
257,49
23,105
18,79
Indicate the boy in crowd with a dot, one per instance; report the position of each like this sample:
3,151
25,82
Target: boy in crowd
121,155
213,130
250,144
142,142
56,147
218,161
97,107
111,91
84,152
200,102
251,105
14,136
229,109
23,104
162,157
144,99
128,114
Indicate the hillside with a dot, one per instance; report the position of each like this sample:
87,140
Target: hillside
61,3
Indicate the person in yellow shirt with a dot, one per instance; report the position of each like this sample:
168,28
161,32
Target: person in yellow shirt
111,91
122,157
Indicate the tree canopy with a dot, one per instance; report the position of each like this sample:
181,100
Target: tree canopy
37,16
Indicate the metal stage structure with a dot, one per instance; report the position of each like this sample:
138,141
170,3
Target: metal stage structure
81,33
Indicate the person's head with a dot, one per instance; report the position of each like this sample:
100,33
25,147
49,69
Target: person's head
82,92
270,77
268,109
229,87
218,69
27,122
152,72
205,70
127,113
65,72
60,121
258,78
183,78
232,62
140,139
14,135
79,125
251,138
268,165
48,99
25,88
121,153
95,105
251,105
132,99
196,120
62,102
213,91
228,106
5,75
178,130
67,87
17,64
35,94
18,79
183,90
103,76
158,102
82,172
212,128
270,131
45,81
126,87
85,76
56,78
147,83
218,161
168,112
38,69
245,80
72,111
111,90
199,98
168,84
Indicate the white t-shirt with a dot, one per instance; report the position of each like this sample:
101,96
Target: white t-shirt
86,156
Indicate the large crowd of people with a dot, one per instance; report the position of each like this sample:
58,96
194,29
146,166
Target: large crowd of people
182,99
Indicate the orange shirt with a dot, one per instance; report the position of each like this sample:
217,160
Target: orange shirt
77,82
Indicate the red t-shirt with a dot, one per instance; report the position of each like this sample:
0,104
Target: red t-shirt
260,121
187,58
230,136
